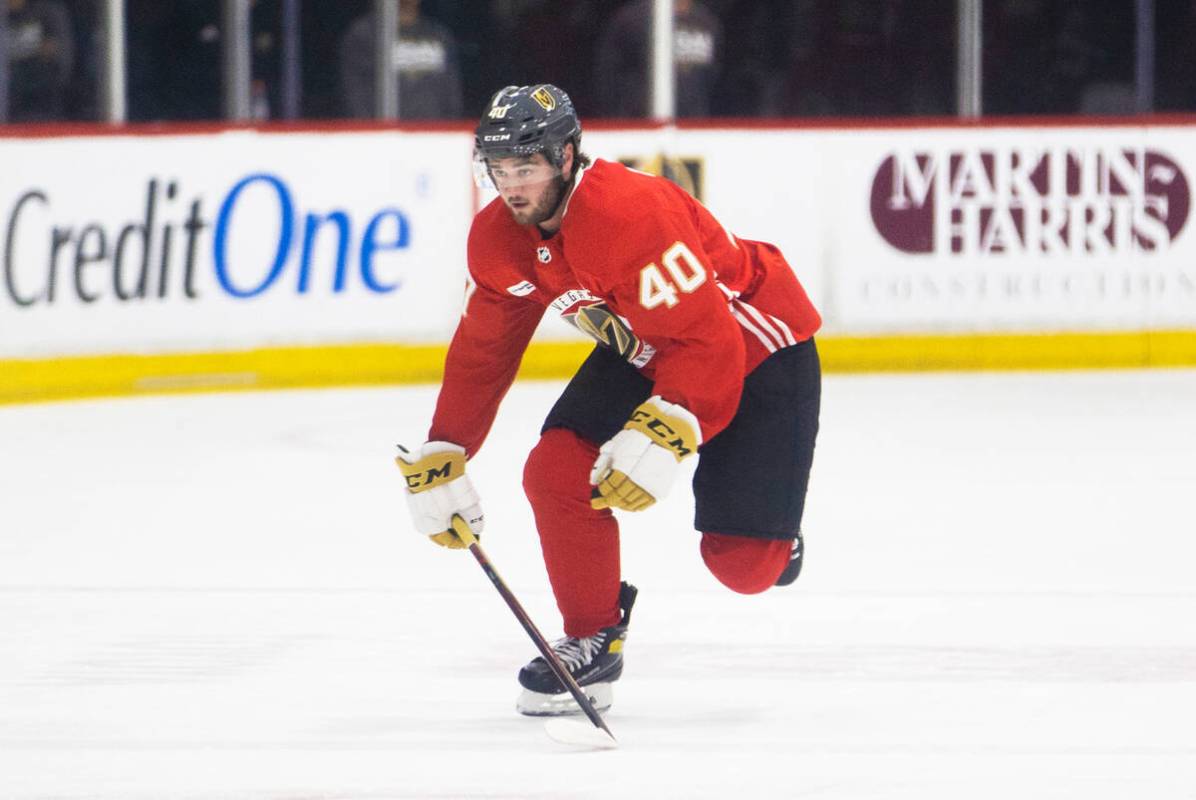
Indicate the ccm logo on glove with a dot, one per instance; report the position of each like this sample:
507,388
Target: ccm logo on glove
646,420
430,472
438,488
636,467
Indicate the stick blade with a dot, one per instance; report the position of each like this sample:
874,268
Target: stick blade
579,734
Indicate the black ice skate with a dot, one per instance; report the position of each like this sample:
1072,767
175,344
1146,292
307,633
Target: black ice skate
793,568
595,662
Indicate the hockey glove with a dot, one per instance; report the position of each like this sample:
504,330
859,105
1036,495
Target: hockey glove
438,488
636,467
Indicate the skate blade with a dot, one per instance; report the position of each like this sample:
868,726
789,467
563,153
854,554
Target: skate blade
579,734
537,704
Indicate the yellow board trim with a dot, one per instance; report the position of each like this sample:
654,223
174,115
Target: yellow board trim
76,377
1047,351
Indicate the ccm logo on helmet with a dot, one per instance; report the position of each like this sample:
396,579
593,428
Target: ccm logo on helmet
496,137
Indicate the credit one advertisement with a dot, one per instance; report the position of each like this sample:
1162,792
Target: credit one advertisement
230,240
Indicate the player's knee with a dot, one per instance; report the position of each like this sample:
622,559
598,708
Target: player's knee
558,466
744,564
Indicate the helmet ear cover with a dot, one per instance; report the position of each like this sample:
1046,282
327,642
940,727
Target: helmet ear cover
557,155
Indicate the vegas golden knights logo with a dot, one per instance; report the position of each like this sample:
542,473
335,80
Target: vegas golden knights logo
598,321
544,98
688,172
594,318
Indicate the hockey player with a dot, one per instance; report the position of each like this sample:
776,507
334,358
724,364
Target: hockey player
704,350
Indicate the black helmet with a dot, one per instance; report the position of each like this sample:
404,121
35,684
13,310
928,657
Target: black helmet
524,120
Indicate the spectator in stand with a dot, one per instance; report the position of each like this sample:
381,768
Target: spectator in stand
176,60
759,37
1175,84
624,53
1098,39
41,53
425,57
1059,57
547,41
845,65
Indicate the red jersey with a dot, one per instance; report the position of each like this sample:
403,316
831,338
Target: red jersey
642,267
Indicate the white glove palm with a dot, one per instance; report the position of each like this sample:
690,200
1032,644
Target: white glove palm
438,488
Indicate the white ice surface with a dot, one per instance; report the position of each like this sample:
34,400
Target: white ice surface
219,596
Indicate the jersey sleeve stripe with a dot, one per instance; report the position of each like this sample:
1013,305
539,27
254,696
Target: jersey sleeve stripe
790,339
731,295
760,320
773,333
764,340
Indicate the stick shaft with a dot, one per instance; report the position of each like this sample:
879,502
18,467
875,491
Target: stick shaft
542,645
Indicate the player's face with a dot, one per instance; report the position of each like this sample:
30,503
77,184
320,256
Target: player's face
530,186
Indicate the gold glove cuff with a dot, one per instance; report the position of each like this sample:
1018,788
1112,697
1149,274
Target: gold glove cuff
435,469
673,432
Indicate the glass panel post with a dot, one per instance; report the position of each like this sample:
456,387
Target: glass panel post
1144,56
386,77
968,83
292,65
114,75
4,64
663,70
236,65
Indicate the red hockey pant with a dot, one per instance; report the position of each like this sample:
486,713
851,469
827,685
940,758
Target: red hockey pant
581,544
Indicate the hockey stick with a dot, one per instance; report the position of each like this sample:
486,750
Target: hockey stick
461,528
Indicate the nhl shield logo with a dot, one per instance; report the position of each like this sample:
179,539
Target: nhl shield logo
544,254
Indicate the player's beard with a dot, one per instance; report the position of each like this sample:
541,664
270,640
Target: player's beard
549,202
